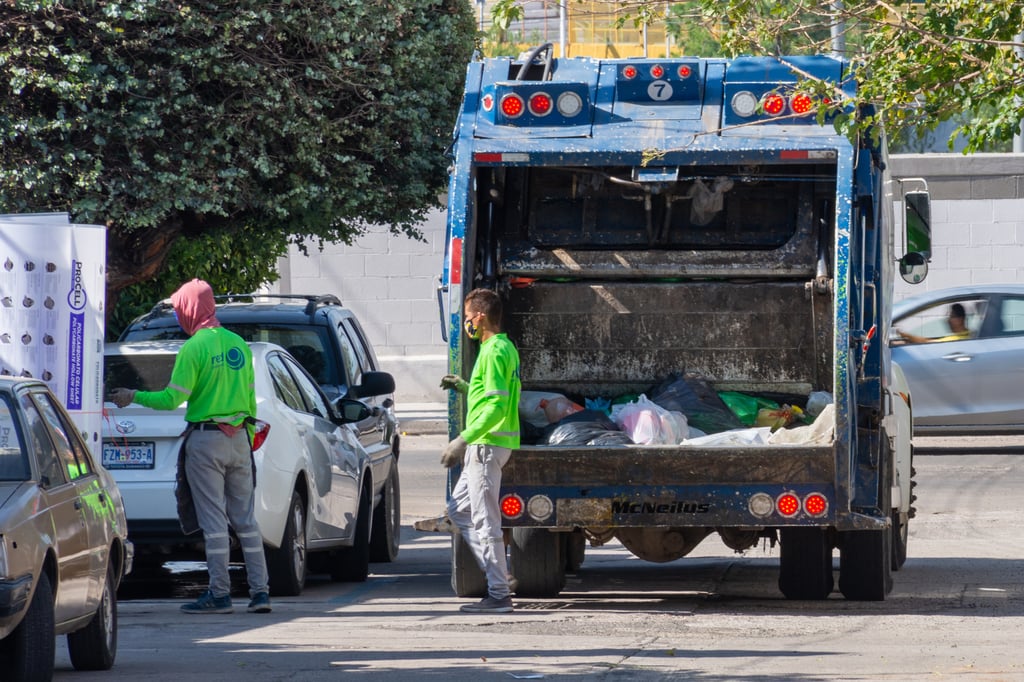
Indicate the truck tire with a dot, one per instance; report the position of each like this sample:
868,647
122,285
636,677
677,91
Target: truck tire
805,563
387,521
467,578
537,562
575,550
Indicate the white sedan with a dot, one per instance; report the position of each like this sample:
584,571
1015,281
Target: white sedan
314,487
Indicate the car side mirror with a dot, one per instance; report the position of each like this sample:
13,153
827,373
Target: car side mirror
375,383
350,411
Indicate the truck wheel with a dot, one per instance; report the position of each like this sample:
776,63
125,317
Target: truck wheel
467,578
900,536
805,563
286,565
537,562
387,521
352,564
94,647
27,653
575,550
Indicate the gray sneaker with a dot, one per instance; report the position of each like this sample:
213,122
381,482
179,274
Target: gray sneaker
207,603
489,605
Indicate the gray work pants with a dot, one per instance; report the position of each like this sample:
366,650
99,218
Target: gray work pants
220,474
474,508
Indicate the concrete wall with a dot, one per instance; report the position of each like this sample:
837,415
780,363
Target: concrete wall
391,281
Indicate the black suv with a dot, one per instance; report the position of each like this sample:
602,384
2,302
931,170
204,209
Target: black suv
326,338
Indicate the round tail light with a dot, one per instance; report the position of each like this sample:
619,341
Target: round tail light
512,506
802,103
540,104
787,504
773,104
512,106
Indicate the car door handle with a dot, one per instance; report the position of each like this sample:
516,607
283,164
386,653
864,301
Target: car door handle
958,357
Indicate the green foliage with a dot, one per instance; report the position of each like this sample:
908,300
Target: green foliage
300,120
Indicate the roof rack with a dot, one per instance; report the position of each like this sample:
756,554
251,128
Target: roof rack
313,301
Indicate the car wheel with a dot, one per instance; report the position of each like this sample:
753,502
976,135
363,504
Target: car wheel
27,653
387,521
286,565
94,647
352,564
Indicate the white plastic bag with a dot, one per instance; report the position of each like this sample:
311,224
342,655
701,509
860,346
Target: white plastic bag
647,423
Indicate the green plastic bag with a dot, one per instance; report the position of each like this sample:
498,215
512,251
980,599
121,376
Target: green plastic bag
744,406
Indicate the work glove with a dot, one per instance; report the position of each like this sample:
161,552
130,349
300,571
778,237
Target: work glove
454,453
122,397
453,381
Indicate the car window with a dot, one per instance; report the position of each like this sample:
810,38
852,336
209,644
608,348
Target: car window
68,447
1011,317
306,344
13,464
932,323
348,352
284,384
143,372
360,344
51,468
315,401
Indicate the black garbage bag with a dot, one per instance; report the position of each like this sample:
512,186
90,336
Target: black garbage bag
692,395
587,427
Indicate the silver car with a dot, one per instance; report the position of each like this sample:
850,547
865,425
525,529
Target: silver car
969,383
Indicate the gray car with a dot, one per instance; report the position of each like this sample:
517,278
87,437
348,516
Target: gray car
972,385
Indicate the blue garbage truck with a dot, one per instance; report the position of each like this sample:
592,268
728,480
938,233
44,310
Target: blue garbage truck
693,224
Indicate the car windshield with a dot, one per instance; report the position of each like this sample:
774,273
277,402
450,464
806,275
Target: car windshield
13,463
142,372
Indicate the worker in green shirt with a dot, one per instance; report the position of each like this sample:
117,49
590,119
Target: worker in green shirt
483,447
213,372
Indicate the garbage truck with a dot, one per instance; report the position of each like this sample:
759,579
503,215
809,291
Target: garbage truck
697,221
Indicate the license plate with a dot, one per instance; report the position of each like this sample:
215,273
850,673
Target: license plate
131,455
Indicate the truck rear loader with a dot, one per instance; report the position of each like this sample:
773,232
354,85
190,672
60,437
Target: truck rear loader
650,218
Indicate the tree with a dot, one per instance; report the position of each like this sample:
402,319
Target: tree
918,62
228,121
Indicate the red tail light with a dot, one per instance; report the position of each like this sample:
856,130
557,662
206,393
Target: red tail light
540,104
815,504
629,72
802,103
788,504
773,104
260,434
684,71
512,106
511,506
657,71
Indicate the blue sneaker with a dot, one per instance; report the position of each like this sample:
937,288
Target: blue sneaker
207,603
260,603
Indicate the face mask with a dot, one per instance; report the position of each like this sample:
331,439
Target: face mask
472,331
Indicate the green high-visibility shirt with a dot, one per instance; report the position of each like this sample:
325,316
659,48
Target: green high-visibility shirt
213,372
493,395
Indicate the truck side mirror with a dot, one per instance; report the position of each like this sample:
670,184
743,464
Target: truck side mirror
917,226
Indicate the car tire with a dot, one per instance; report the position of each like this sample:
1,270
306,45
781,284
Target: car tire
387,521
94,647
27,653
352,564
286,565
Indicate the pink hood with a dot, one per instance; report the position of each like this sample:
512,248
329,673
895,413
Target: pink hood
193,304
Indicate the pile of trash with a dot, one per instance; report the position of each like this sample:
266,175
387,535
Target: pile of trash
682,410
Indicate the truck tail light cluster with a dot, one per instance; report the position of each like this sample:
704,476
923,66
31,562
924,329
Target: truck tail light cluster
538,507
788,505
745,104
524,103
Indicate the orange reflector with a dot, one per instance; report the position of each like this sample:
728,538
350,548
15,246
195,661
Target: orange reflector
788,504
512,105
511,506
815,504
